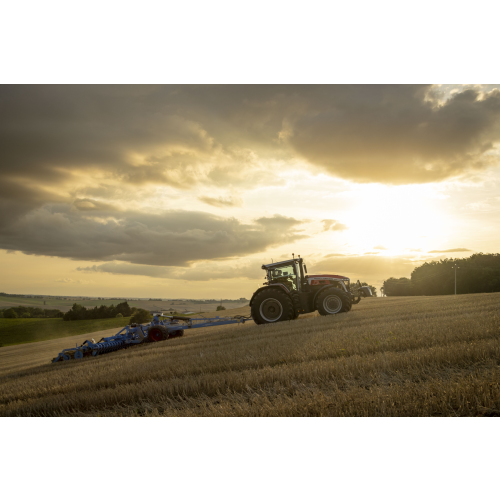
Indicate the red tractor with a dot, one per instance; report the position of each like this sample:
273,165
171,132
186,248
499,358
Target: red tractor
289,291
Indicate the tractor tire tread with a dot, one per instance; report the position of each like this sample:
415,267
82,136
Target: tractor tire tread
285,300
346,301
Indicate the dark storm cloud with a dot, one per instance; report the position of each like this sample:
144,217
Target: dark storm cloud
173,238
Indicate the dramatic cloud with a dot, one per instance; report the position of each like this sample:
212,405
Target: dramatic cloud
88,172
172,238
450,250
333,225
380,247
395,134
183,135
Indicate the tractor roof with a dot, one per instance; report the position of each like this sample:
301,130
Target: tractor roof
280,264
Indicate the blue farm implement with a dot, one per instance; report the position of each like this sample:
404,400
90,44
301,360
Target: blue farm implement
157,330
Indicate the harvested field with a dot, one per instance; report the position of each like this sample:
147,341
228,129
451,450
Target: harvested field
400,356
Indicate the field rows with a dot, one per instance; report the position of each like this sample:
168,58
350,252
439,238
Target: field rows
150,305
394,356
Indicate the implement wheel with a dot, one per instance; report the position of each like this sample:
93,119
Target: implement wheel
157,333
333,301
271,305
176,333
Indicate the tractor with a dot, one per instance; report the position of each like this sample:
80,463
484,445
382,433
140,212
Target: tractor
289,291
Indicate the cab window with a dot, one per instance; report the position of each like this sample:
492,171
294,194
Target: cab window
285,275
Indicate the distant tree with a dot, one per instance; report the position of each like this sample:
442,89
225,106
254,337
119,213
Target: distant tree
479,273
79,312
53,313
124,309
119,315
140,316
26,315
10,313
221,308
394,287
37,312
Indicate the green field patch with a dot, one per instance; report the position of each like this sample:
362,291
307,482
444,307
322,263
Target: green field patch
55,303
23,331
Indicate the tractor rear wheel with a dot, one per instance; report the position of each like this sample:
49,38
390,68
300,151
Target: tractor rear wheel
157,333
271,305
332,301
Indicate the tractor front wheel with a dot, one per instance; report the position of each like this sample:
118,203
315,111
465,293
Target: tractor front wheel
271,305
332,301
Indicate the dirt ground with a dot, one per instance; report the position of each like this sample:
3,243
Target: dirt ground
22,356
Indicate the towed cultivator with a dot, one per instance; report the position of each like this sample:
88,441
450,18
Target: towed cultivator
157,330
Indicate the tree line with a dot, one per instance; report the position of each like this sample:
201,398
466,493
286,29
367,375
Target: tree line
479,273
30,312
79,312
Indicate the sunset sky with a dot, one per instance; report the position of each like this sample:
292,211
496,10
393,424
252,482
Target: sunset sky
185,191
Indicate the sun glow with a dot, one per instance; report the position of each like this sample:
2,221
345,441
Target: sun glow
399,218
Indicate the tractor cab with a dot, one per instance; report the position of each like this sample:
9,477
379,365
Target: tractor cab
288,272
